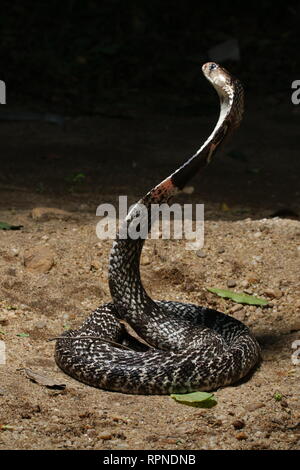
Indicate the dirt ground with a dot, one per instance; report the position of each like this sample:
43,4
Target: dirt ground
244,248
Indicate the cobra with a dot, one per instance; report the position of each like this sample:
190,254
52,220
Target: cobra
183,347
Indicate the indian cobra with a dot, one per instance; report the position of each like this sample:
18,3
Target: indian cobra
184,347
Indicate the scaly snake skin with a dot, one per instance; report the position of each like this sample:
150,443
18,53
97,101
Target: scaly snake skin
189,347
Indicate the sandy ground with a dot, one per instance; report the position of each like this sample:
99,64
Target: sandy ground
243,247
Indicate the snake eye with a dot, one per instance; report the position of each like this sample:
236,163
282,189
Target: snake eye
212,66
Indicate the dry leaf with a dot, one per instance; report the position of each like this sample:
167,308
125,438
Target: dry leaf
43,380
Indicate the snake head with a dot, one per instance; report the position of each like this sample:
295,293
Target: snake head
229,89
217,75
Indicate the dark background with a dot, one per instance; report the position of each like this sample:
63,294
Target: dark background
80,54
127,75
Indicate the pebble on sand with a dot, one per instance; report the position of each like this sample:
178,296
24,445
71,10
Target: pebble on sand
43,214
39,259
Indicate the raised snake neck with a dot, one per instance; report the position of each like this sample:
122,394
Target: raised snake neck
192,348
125,255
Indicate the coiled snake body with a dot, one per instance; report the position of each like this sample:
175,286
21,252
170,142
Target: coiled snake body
189,347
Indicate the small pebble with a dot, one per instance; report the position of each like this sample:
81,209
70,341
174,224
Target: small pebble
245,284
106,436
168,440
241,436
254,406
41,324
238,424
236,308
201,254
240,315
273,293
248,291
122,445
189,287
15,251
284,404
145,261
39,259
231,283
95,265
119,418
252,278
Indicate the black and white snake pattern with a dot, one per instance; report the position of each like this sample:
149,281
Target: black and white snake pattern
184,347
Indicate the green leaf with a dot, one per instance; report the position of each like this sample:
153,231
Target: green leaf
196,399
4,427
2,332
75,178
23,335
78,177
238,297
5,226
277,396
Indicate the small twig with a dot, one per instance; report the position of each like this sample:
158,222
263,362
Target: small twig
131,332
